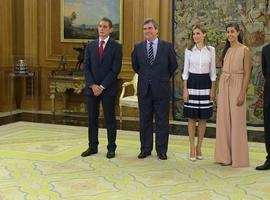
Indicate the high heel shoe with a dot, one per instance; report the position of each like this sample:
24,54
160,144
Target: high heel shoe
192,155
200,157
192,159
199,153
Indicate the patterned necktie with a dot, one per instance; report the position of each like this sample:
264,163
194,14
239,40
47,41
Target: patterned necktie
151,53
101,49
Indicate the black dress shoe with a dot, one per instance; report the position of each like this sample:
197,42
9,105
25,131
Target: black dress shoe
162,156
265,166
89,152
144,154
110,154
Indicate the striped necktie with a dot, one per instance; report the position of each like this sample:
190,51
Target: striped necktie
151,53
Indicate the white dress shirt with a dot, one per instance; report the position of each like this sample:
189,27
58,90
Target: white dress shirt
105,41
200,62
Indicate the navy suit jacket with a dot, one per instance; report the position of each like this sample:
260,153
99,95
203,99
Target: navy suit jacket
159,73
102,72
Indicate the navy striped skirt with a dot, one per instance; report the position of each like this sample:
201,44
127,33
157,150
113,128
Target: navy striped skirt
199,105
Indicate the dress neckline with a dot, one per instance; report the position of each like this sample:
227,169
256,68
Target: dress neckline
242,46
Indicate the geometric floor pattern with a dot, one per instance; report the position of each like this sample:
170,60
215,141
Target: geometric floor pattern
42,162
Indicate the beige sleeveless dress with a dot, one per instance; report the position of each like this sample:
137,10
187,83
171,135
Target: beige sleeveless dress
231,134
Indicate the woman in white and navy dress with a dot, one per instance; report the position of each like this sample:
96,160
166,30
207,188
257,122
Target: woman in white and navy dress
199,77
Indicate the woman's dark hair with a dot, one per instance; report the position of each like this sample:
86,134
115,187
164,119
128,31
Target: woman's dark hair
203,30
228,45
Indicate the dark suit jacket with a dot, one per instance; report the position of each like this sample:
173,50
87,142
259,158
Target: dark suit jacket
105,72
159,73
266,62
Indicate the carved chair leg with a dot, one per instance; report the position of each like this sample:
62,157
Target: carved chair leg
120,113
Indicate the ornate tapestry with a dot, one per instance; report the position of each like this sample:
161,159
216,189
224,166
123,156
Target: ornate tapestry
251,15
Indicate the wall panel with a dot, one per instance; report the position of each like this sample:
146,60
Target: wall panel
6,49
37,36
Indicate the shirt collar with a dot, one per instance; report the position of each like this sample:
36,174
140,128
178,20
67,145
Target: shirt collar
106,40
195,48
155,41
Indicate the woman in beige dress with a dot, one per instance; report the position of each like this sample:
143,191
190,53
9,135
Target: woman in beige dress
231,134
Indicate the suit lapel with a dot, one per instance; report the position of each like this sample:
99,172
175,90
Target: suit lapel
159,50
107,48
144,49
158,54
96,45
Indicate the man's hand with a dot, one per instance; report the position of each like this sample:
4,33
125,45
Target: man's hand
97,90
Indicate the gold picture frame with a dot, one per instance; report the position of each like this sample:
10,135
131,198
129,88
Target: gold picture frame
79,19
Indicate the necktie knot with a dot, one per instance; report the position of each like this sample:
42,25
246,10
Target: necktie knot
102,42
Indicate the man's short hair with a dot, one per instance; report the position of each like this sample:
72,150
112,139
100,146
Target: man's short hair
150,20
106,20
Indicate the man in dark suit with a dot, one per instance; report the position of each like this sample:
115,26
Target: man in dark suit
155,62
266,107
102,64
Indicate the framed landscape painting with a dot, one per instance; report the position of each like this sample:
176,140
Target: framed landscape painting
79,19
